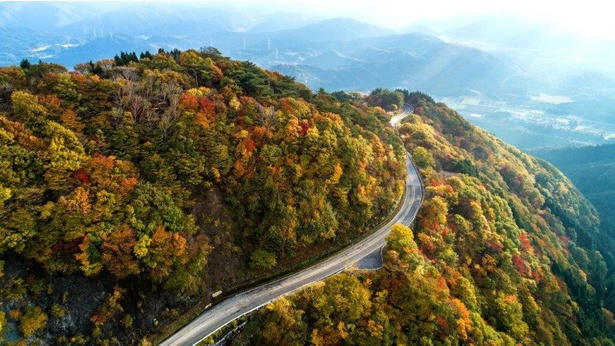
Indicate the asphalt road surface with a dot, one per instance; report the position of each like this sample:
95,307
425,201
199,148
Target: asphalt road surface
242,303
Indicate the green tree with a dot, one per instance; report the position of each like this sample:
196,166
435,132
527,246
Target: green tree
28,109
388,100
423,158
25,64
343,298
401,239
262,259
286,326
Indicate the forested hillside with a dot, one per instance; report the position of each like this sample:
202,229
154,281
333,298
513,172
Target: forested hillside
504,252
134,188
592,170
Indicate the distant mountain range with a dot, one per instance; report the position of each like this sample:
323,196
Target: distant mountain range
334,54
518,65
412,61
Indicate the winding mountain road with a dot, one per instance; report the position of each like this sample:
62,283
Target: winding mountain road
242,303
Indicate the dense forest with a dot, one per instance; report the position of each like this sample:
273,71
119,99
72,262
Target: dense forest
504,251
132,189
592,170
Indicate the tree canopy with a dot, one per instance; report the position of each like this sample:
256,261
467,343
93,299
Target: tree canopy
504,251
179,172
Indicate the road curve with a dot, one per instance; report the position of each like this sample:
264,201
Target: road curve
242,303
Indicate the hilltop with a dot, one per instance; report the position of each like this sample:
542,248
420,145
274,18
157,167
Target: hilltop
134,188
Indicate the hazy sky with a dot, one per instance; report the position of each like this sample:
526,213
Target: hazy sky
592,17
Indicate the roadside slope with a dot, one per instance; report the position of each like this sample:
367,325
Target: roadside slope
501,254
245,302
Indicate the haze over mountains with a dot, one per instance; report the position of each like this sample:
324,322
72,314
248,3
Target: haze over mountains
528,82
330,53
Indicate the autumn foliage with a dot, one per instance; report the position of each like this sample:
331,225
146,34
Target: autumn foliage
503,252
136,171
